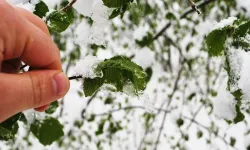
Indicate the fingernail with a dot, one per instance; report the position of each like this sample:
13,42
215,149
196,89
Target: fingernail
61,84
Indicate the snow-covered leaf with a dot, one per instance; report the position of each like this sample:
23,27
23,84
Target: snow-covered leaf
117,71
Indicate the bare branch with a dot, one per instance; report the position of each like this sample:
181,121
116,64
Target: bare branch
68,6
194,7
126,108
188,11
168,105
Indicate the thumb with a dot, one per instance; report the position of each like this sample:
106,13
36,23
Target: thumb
33,89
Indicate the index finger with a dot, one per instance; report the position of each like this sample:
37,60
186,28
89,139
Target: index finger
27,41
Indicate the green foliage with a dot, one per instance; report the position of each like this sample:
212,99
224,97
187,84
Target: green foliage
41,9
170,16
100,127
117,71
179,122
9,127
232,141
239,115
115,13
146,40
116,3
216,47
58,21
47,131
243,28
199,134
52,107
149,72
215,42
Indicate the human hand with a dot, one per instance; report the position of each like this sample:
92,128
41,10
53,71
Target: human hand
25,37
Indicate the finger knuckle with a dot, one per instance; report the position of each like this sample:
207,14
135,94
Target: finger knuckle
38,87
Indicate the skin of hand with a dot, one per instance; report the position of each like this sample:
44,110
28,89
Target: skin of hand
25,37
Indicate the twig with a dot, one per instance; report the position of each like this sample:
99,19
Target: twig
188,11
75,77
209,130
68,6
194,7
89,101
168,105
126,108
23,66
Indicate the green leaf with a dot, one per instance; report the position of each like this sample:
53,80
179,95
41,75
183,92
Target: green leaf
116,3
58,21
239,115
47,131
117,71
191,96
242,29
100,128
9,127
90,86
41,9
108,100
232,141
115,13
215,42
71,15
199,134
146,40
149,72
170,16
52,107
179,122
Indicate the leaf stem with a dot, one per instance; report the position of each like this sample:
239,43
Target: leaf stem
68,6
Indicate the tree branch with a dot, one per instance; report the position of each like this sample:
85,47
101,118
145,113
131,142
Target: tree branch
68,6
209,130
75,77
168,105
194,7
126,108
188,11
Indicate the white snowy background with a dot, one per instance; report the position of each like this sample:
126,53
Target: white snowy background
101,33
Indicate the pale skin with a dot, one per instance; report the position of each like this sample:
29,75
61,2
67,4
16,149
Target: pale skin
25,38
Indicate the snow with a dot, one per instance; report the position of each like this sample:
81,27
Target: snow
224,103
244,81
99,14
82,33
86,67
15,2
148,103
144,57
244,4
225,22
83,7
235,62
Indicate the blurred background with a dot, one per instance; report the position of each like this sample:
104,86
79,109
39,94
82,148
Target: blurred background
166,38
